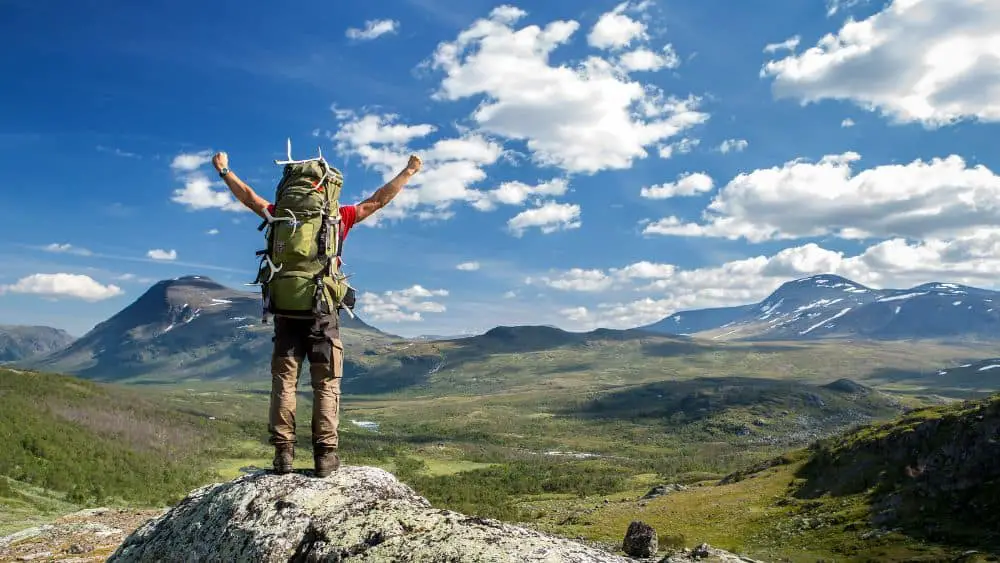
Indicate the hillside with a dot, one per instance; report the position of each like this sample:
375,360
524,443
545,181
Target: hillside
70,442
828,306
188,327
19,342
933,473
761,410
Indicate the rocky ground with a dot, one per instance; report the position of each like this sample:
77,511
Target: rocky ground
357,514
88,535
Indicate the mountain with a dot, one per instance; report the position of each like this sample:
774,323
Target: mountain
691,322
184,327
826,306
19,342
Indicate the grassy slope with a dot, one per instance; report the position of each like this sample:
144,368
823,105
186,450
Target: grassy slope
934,473
69,442
23,505
755,517
850,498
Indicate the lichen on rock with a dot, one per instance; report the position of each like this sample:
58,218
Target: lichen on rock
356,514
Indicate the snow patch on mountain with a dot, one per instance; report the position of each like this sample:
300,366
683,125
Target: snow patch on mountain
900,297
807,308
821,323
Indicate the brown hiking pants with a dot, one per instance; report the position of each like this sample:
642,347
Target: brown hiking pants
319,341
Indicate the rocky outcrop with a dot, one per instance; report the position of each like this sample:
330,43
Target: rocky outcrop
356,514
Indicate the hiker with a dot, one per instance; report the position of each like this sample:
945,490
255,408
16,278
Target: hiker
303,288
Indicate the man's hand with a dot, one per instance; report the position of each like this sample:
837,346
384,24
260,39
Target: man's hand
220,161
240,189
413,166
384,195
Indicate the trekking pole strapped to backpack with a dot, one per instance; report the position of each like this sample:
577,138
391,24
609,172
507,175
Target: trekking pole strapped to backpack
299,271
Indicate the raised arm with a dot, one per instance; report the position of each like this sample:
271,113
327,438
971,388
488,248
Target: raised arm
243,192
384,195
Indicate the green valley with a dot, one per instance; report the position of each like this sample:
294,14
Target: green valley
563,431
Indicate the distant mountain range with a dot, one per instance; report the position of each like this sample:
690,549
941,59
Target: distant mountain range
194,327
21,342
826,306
190,326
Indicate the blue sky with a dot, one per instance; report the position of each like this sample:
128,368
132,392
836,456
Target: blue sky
586,163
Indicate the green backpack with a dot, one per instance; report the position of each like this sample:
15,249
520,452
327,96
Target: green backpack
299,271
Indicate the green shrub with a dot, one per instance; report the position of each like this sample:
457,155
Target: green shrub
97,443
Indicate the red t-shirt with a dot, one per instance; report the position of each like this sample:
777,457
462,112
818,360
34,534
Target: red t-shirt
348,214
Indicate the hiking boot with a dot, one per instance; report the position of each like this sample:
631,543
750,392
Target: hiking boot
326,460
284,455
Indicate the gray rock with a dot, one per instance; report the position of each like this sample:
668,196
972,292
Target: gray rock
660,490
640,540
356,514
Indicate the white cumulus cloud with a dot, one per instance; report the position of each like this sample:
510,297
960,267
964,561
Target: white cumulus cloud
518,193
405,305
548,218
373,29
596,280
940,197
201,193
468,266
75,286
615,29
189,162
683,146
898,63
160,254
582,117
733,145
577,279
644,60
686,185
